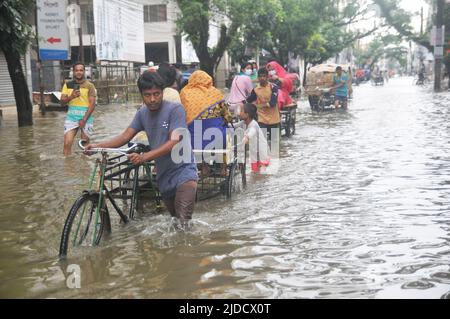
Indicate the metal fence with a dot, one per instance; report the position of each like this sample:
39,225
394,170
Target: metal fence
115,82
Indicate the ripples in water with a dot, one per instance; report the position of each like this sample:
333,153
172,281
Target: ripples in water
359,208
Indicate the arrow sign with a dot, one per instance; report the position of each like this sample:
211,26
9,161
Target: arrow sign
53,40
51,22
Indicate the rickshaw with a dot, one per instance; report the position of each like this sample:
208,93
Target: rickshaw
319,81
117,185
378,79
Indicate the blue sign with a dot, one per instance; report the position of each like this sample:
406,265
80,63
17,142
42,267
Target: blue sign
46,54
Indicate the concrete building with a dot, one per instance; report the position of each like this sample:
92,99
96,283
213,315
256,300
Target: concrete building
162,41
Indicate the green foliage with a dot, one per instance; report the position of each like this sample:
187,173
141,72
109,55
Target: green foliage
314,29
194,23
400,20
15,32
388,47
260,18
300,20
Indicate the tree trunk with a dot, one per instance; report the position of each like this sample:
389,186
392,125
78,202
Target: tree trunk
207,65
21,92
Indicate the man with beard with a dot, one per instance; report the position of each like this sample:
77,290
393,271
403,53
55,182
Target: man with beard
80,96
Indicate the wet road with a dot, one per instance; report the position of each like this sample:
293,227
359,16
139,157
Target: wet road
360,208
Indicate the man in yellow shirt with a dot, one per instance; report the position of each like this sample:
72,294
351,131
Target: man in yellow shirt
80,96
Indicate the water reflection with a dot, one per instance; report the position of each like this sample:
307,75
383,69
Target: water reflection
359,209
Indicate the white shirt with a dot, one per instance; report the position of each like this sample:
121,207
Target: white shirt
258,148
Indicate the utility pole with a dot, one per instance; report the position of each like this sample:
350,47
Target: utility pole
438,48
80,36
39,66
421,21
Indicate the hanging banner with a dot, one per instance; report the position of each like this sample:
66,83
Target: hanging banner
119,30
52,30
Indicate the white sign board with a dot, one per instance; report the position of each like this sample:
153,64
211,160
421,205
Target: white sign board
52,30
437,36
119,30
438,51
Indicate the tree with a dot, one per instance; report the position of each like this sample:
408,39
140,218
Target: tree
340,31
15,36
299,21
194,22
255,30
387,47
400,20
313,29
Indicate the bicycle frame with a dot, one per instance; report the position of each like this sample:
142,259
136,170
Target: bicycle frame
116,169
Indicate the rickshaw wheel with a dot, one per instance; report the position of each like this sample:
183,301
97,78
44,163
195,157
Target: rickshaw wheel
293,122
235,182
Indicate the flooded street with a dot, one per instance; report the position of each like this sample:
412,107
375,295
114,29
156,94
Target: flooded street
360,208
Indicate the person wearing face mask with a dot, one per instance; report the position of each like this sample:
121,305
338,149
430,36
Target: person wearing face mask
241,88
254,75
279,76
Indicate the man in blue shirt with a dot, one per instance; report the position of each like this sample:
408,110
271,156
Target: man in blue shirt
162,121
341,85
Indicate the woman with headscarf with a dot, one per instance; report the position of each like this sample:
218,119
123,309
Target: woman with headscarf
278,75
241,88
202,101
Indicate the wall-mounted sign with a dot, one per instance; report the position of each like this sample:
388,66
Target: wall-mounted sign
119,30
52,30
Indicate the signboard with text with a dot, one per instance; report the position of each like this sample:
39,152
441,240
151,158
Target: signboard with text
52,30
437,36
119,30
438,51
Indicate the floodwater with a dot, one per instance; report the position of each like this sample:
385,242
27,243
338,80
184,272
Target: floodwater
359,208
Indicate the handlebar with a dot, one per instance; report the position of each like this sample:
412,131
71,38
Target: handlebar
323,90
132,148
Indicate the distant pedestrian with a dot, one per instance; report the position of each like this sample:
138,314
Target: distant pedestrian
80,95
241,88
341,85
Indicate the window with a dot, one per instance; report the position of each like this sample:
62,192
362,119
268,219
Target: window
87,19
155,13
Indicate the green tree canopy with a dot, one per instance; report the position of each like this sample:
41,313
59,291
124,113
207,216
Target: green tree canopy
196,18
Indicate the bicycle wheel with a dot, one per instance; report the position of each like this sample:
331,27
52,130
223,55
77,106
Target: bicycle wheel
131,191
243,173
321,105
287,124
235,180
293,114
83,227
313,102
